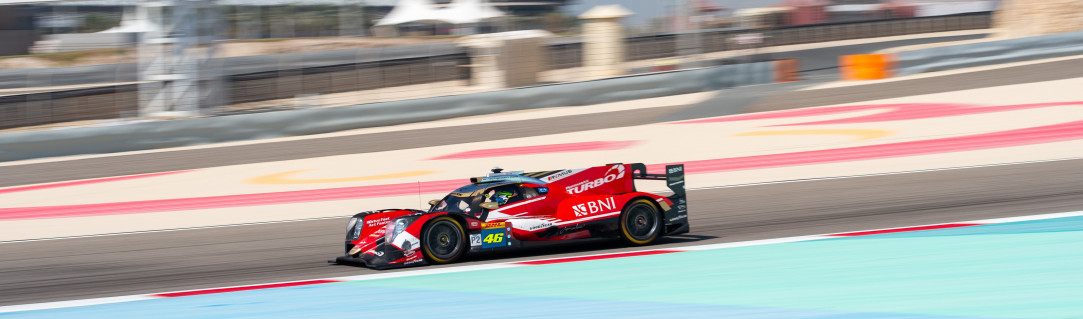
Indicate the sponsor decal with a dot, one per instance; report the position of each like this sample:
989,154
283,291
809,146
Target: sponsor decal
570,229
488,179
594,207
679,217
377,222
672,170
614,173
543,190
559,175
542,225
413,259
492,225
473,224
533,224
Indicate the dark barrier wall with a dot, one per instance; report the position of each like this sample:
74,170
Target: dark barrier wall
71,105
151,135
273,85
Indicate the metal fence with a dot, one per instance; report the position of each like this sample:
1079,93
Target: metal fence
360,76
345,77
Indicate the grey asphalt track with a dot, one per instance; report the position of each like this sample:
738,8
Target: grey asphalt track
165,261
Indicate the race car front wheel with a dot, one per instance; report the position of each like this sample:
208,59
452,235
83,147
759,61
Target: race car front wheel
443,240
640,222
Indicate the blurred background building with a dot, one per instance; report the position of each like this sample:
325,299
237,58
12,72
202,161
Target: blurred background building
54,22
74,61
17,29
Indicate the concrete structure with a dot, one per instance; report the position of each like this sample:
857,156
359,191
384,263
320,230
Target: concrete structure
603,41
177,75
67,42
1018,18
16,30
760,17
805,11
506,59
928,8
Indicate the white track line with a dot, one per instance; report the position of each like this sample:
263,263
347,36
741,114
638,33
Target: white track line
509,264
690,189
73,303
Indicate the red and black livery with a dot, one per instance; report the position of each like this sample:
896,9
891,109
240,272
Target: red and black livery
502,211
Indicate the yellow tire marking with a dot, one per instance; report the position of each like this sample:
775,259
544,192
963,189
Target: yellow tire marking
860,134
284,178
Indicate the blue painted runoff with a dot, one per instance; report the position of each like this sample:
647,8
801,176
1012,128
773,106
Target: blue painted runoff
1013,270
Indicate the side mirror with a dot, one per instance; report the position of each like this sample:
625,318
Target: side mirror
490,205
434,202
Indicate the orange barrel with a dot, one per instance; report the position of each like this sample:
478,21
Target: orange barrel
866,66
786,71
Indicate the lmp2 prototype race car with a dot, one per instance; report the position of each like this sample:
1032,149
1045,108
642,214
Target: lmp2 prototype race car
503,211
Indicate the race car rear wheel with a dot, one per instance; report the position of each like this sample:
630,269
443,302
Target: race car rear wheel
640,222
443,240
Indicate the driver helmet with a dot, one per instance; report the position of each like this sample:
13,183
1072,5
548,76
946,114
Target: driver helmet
501,197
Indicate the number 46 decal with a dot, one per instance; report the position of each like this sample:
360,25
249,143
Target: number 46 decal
493,238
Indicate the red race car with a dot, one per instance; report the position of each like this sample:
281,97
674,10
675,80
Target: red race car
503,211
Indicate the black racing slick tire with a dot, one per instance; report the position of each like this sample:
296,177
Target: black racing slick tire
640,222
443,241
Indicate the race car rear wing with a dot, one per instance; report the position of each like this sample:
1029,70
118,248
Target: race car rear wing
674,176
676,217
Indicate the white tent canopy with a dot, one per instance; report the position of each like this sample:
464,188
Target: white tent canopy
136,26
133,22
458,12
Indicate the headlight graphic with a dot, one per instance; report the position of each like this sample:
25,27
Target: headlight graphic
354,228
394,228
351,223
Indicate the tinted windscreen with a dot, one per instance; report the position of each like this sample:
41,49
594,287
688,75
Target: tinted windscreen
457,204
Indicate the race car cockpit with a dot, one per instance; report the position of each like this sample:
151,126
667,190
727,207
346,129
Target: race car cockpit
471,199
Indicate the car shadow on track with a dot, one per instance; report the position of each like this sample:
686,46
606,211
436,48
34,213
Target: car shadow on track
561,250
584,247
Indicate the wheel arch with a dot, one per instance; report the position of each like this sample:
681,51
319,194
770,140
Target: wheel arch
653,202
